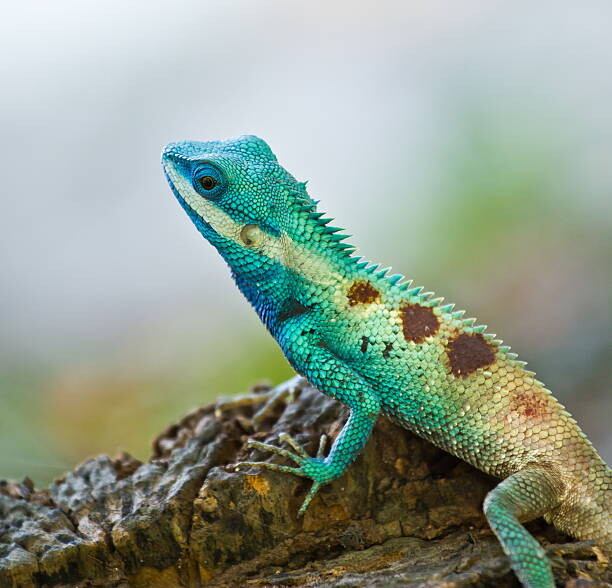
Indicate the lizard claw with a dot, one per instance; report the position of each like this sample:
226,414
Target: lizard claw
311,494
298,457
308,467
270,466
284,392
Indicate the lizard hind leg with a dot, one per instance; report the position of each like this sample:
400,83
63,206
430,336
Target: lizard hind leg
521,497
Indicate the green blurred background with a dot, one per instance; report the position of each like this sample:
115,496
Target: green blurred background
468,144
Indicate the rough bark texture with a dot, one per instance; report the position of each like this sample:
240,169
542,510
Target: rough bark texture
406,514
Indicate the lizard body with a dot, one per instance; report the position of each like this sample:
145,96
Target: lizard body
382,346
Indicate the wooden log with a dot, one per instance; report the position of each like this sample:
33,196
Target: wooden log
405,514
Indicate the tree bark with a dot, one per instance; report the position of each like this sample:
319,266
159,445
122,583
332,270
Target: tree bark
405,514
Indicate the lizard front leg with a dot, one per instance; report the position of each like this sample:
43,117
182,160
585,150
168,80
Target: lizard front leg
333,377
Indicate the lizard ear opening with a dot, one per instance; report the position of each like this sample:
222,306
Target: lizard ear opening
252,236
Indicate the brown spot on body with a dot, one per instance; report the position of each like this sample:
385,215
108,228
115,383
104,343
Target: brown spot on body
530,404
362,292
469,352
364,344
418,322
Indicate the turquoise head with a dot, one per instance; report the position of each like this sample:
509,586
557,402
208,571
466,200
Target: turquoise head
243,202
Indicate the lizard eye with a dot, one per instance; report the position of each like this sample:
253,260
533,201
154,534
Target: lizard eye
209,181
252,236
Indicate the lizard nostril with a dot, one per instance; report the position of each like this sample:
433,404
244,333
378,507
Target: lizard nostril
174,152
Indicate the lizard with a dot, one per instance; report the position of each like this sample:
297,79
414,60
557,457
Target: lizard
381,346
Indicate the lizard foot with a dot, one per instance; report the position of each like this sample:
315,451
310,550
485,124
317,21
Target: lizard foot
271,399
315,468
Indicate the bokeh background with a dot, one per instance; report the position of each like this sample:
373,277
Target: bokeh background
468,144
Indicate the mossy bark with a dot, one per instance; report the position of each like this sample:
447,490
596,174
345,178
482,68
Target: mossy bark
405,514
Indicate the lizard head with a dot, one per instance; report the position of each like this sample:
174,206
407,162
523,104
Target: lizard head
251,209
237,195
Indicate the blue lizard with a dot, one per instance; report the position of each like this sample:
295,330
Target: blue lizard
381,346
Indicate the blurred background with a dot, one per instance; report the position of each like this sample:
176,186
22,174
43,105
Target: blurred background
468,144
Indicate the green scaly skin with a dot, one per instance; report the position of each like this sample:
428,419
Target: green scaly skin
381,346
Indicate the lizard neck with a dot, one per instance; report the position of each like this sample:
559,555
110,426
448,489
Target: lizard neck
266,294
297,284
